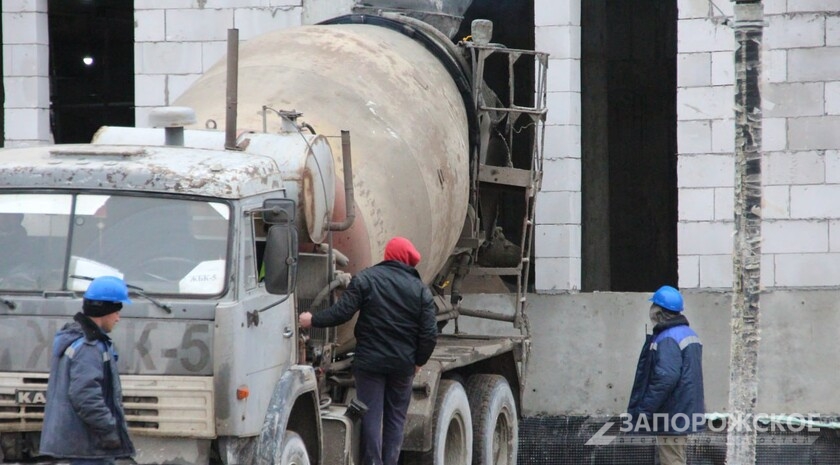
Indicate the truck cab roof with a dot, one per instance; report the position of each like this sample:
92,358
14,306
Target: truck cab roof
138,159
197,171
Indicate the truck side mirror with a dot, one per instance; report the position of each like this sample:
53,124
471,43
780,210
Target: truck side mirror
281,246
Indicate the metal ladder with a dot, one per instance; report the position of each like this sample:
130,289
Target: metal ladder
525,181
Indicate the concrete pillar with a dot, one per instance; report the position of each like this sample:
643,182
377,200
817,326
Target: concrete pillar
558,216
26,73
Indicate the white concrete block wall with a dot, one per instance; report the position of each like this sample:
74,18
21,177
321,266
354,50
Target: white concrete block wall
801,161
705,143
178,40
557,232
26,73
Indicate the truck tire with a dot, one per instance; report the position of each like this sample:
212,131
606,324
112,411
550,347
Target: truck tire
495,421
452,435
292,450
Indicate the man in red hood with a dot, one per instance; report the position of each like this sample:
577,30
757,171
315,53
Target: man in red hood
395,335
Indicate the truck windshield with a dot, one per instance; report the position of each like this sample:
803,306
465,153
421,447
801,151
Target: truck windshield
163,245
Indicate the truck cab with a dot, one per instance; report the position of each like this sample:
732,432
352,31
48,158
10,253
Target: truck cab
204,344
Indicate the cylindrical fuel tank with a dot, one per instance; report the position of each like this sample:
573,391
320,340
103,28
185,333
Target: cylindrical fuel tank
405,115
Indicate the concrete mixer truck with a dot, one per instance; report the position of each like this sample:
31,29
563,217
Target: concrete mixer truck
242,206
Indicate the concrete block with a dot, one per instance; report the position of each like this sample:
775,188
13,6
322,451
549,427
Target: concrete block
30,124
25,28
252,22
724,203
149,25
198,25
156,4
688,270
834,236
141,116
793,99
552,275
564,108
561,42
688,9
26,60
773,65
557,240
723,10
694,137
18,6
167,58
716,271
723,68
7,57
696,204
791,236
27,92
832,167
781,168
775,7
704,35
558,208
773,134
212,53
705,171
554,13
561,174
563,75
768,270
814,133
794,31
832,31
178,84
562,141
832,98
820,6
813,64
694,69
695,103
150,90
815,202
807,270
775,202
705,238
723,136
315,11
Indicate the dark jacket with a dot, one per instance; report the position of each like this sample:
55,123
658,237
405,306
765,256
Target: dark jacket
396,329
84,416
669,381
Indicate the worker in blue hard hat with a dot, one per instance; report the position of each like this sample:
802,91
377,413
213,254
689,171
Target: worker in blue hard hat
84,420
667,398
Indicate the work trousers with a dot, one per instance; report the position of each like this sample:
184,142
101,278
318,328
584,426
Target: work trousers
671,453
387,397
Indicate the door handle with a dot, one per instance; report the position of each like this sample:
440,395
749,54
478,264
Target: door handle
287,332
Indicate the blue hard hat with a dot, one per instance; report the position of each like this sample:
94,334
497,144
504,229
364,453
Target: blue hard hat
108,289
668,298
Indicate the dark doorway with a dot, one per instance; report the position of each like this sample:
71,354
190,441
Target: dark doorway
629,160
91,66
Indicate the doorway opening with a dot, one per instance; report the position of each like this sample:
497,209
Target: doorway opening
629,144
91,67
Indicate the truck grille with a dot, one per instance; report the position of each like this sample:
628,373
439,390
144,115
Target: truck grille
154,405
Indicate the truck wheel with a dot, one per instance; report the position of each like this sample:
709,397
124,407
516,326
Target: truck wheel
452,434
292,450
494,419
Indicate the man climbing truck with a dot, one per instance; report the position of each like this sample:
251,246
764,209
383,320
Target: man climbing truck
225,236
